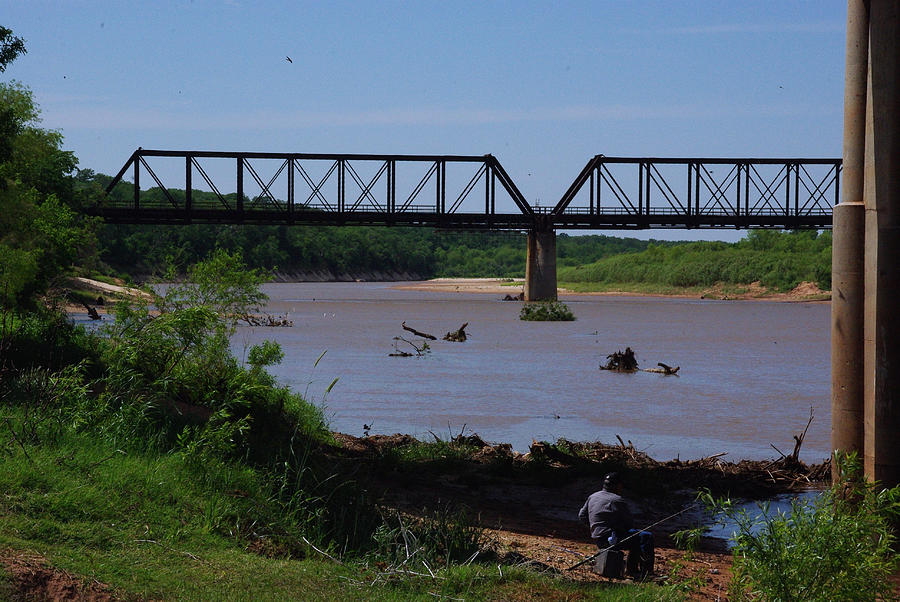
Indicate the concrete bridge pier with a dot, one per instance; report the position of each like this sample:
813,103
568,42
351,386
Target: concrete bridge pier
882,241
540,266
848,249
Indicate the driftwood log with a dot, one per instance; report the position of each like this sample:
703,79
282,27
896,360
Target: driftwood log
424,335
457,336
664,369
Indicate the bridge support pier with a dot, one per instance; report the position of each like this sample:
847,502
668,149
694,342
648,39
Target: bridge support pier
882,279
848,249
540,266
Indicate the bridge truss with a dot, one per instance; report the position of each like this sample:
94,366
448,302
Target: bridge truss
631,192
462,192
445,191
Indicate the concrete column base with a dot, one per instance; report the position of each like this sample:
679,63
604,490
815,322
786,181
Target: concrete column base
540,266
882,282
847,332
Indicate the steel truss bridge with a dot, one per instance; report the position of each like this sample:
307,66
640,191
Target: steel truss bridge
463,192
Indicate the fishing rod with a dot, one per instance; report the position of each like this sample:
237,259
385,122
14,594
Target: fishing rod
638,532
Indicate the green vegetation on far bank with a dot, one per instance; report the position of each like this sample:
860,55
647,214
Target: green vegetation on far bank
779,261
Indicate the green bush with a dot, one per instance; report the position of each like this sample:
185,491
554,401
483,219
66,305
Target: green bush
837,547
778,260
546,311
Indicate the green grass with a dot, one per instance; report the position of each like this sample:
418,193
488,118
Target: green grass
159,527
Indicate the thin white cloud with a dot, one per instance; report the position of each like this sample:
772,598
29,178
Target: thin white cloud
727,28
96,118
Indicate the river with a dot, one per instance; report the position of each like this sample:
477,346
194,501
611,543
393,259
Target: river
750,370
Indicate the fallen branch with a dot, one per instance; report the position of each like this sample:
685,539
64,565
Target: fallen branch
419,350
92,313
418,333
109,457
13,432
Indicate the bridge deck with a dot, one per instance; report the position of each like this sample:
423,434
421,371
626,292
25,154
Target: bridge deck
464,191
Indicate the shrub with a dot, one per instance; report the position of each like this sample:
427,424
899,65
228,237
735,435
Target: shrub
441,537
837,547
546,311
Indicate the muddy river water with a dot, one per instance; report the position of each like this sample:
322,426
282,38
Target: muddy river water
750,370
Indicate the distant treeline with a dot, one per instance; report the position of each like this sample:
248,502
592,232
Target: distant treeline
425,253
344,250
779,260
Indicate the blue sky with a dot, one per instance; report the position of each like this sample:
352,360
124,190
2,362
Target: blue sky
543,86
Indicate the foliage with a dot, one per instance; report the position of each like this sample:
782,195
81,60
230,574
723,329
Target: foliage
222,283
339,252
157,527
778,260
41,236
838,547
438,538
43,338
546,311
10,47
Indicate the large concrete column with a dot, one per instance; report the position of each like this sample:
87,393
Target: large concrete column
540,266
847,264
882,255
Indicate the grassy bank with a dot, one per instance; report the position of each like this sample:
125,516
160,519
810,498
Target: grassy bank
160,526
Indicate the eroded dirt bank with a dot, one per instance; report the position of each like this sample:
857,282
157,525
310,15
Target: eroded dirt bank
529,502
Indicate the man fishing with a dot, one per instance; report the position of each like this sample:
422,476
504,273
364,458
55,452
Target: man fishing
607,514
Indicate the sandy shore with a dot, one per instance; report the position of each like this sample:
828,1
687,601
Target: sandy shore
805,291
466,285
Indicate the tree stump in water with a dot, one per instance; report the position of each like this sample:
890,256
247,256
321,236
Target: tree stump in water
92,313
621,361
458,336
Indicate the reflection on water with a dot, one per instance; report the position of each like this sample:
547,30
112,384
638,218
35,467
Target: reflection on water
722,528
750,371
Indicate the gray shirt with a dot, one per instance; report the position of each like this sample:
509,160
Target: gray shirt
606,512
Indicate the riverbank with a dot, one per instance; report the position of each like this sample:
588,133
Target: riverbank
529,502
804,292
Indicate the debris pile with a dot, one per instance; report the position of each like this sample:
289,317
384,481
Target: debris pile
268,321
621,361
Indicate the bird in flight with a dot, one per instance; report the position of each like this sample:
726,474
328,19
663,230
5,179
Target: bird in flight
288,59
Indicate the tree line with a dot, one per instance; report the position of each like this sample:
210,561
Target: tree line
337,250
